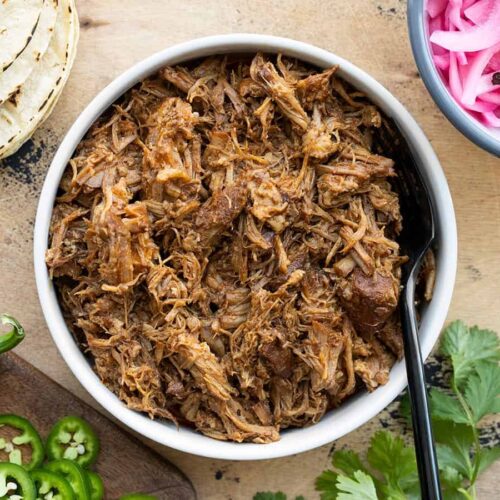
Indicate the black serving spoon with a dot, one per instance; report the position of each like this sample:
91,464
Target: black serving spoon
415,240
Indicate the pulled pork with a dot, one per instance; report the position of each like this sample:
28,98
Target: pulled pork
224,246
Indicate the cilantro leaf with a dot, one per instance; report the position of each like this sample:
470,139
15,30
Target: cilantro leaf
267,495
405,407
446,407
326,483
347,461
453,447
360,487
451,478
487,456
448,458
466,347
393,459
390,492
451,484
482,391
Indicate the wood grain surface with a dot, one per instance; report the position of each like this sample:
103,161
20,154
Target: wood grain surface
124,463
370,33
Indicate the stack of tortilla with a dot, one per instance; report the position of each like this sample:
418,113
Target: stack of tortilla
37,47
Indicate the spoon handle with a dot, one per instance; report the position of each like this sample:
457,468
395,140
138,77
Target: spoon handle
422,429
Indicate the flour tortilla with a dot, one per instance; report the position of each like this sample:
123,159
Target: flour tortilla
20,116
18,20
13,77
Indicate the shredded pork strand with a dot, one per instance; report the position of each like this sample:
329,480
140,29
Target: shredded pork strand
224,246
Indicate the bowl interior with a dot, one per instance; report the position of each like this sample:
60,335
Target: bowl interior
487,138
359,408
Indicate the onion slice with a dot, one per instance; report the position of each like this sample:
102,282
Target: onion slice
436,7
478,11
477,38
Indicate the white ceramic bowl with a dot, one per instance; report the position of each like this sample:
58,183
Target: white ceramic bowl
357,410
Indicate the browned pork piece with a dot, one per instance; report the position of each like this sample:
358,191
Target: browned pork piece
224,246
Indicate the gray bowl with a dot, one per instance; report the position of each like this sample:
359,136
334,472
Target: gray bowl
465,123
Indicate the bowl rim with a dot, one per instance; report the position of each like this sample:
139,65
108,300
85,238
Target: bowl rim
460,119
361,407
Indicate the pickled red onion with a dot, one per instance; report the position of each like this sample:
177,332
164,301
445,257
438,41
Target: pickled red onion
479,37
436,7
465,42
478,11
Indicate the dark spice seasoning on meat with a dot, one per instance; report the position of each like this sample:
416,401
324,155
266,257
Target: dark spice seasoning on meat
224,246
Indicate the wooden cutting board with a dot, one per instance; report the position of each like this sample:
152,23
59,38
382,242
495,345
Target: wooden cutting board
125,464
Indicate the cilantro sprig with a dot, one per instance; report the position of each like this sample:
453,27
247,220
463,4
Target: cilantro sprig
389,469
391,472
474,355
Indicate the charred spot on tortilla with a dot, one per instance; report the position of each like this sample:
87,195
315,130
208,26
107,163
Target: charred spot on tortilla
46,100
14,97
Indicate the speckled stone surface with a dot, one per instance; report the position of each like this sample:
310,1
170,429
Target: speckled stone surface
370,33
